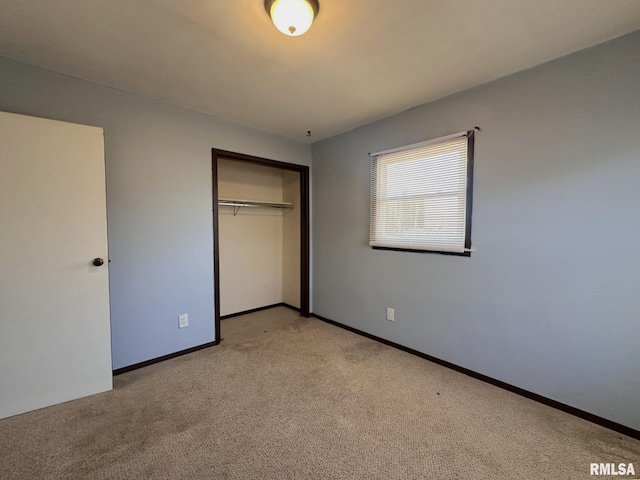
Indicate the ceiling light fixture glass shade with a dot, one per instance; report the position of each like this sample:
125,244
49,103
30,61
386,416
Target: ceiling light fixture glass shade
292,17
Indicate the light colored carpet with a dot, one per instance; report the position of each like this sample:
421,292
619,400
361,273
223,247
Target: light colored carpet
283,397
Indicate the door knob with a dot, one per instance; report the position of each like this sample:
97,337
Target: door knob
96,262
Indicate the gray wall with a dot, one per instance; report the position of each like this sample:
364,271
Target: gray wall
158,160
549,300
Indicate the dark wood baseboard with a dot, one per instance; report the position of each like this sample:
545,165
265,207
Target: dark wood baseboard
617,427
136,366
259,309
290,307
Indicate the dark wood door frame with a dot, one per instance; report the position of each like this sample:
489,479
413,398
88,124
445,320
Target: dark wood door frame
304,225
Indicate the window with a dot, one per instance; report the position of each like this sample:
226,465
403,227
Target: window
421,196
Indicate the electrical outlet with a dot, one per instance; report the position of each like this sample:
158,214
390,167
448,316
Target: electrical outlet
183,320
391,314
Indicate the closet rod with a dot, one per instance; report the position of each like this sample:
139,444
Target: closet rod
237,204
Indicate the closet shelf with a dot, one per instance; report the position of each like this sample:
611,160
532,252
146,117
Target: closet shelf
237,204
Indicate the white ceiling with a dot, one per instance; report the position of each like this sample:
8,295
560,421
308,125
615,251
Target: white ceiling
361,60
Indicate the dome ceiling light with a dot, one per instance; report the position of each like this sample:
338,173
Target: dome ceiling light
292,17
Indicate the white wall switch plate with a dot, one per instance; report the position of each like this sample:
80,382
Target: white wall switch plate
391,314
183,320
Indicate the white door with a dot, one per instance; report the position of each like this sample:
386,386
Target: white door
55,340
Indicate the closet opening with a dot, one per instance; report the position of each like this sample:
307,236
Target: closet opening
260,235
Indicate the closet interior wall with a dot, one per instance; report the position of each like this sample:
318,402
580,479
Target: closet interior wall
259,246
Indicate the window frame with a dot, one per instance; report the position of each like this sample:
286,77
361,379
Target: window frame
470,135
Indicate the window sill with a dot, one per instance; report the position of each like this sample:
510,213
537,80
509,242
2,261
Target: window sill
441,252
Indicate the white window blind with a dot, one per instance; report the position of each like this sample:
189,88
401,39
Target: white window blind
419,196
